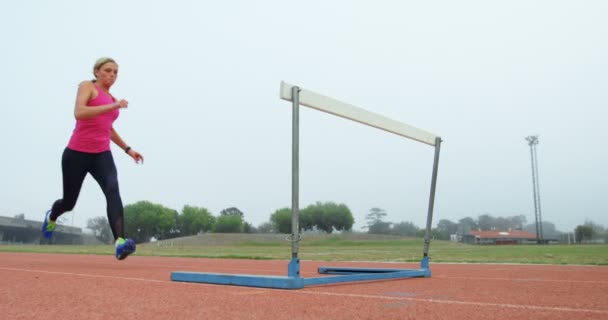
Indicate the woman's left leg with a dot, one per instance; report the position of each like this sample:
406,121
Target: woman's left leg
104,172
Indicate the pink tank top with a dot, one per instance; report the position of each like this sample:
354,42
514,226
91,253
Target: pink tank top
93,135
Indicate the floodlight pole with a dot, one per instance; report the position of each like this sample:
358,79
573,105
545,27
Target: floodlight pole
532,142
429,218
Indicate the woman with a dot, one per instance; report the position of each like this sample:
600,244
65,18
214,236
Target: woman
89,152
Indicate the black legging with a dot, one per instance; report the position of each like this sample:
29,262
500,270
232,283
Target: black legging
75,166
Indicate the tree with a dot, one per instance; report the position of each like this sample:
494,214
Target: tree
310,217
340,216
375,224
144,220
597,229
232,211
489,222
265,227
447,226
380,227
518,222
467,224
421,232
281,220
486,222
326,216
249,228
549,230
583,233
407,229
502,224
193,220
228,224
588,231
20,216
101,229
375,215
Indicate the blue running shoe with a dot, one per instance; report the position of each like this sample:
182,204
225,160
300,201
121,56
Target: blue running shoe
48,226
124,247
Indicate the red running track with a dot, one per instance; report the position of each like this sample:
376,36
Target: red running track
56,286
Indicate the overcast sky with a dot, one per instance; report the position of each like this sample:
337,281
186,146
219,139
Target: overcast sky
202,80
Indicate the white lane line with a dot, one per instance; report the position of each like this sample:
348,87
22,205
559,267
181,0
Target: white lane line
350,295
455,302
522,279
84,275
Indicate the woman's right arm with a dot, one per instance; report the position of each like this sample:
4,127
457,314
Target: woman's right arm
85,92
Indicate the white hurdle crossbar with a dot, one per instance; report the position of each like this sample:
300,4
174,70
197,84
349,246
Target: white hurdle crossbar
348,111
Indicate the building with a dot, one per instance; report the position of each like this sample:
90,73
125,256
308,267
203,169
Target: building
19,230
499,237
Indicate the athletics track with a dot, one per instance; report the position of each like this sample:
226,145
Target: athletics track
59,286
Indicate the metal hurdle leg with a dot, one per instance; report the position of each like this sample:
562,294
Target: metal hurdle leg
429,217
293,270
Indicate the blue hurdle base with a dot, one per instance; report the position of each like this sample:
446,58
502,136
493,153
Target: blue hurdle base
240,280
294,281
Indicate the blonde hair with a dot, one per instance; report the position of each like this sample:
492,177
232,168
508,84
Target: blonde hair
100,62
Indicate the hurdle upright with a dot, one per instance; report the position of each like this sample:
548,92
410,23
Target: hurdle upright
293,280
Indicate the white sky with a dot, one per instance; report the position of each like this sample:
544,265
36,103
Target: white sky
202,79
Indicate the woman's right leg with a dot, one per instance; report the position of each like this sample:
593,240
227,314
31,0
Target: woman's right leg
74,166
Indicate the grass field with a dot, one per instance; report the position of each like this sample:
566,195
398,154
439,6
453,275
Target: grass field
341,248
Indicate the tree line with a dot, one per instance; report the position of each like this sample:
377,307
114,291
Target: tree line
145,220
589,232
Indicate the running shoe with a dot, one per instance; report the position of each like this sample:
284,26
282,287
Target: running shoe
124,247
48,226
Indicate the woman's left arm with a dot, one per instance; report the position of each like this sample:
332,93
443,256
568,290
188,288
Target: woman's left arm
123,145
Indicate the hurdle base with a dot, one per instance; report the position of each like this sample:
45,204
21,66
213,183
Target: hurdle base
246,280
277,282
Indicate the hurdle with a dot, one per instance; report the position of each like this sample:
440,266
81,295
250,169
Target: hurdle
293,280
